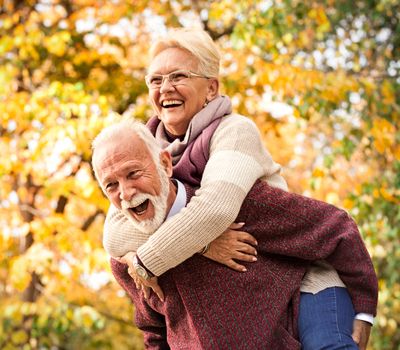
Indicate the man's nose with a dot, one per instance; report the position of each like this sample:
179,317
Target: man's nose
127,192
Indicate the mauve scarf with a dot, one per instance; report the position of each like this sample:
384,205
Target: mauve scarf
190,155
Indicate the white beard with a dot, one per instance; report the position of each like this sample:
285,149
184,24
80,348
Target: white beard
159,202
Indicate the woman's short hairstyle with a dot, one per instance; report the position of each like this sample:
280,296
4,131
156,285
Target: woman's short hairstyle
197,42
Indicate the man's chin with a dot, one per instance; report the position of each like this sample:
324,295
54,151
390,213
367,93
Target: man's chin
145,226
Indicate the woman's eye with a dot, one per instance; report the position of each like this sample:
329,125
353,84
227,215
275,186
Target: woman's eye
178,76
155,80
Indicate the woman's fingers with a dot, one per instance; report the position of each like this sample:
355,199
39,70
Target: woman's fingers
245,237
246,248
245,257
235,266
236,225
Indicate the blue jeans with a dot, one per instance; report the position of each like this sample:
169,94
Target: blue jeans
326,320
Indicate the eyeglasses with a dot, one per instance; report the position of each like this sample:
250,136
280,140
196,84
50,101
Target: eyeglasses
155,81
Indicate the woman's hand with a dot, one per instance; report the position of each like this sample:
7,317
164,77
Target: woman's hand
233,244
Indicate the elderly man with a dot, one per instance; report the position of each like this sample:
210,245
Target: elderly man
207,305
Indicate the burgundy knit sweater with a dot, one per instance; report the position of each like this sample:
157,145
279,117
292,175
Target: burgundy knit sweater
209,306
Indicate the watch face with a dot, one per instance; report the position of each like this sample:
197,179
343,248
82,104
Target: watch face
141,272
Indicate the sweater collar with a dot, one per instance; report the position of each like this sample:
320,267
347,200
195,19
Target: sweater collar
180,199
215,109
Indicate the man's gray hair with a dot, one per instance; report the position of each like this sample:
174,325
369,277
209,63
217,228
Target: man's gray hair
197,42
124,126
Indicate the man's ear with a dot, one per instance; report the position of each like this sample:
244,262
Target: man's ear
166,162
212,89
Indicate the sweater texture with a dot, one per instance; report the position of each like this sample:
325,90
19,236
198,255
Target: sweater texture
209,306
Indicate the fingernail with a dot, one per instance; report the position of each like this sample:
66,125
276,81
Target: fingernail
241,223
254,258
244,269
256,243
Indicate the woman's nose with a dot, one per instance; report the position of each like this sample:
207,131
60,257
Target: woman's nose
166,85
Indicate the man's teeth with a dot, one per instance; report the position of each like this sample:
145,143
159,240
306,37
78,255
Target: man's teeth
171,103
141,208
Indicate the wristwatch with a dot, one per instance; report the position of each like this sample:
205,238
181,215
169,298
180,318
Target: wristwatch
140,269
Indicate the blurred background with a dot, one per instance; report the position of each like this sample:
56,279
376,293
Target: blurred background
320,78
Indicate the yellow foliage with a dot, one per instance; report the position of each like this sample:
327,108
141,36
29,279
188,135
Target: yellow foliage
396,152
318,172
57,93
20,275
348,204
388,93
57,43
19,337
332,198
384,134
388,196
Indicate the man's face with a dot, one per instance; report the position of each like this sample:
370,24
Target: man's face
132,181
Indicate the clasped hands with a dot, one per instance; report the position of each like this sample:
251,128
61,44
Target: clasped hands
231,244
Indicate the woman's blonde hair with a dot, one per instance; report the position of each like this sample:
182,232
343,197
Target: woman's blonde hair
197,42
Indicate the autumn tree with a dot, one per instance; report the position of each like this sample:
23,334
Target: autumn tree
320,79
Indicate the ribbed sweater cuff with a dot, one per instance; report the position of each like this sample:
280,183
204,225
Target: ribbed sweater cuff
147,256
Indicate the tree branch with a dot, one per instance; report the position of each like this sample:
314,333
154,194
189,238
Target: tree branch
90,220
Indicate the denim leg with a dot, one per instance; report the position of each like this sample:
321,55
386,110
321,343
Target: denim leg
326,320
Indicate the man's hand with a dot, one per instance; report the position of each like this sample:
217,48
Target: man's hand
144,285
233,244
361,332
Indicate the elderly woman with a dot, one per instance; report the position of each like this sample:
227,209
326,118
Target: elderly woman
184,91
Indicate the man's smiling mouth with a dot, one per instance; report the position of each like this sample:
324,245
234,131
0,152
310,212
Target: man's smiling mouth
141,208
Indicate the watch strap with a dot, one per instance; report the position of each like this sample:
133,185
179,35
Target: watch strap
139,262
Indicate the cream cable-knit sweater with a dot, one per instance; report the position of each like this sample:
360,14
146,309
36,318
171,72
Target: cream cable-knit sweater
237,159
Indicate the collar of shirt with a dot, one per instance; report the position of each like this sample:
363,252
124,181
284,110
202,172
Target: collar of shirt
180,200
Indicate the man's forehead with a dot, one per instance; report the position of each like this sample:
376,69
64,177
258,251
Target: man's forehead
116,150
130,143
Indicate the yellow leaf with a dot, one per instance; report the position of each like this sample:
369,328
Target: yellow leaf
287,38
397,152
57,44
383,133
19,337
20,275
388,93
318,172
348,203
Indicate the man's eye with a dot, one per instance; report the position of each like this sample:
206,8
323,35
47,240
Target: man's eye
133,175
110,186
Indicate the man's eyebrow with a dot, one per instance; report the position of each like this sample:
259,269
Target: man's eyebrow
107,179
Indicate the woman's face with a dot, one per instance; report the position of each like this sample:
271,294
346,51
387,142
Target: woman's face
176,105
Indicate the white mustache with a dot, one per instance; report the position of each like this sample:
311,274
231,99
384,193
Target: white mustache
134,202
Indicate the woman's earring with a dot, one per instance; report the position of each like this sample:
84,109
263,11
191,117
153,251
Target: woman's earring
205,103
